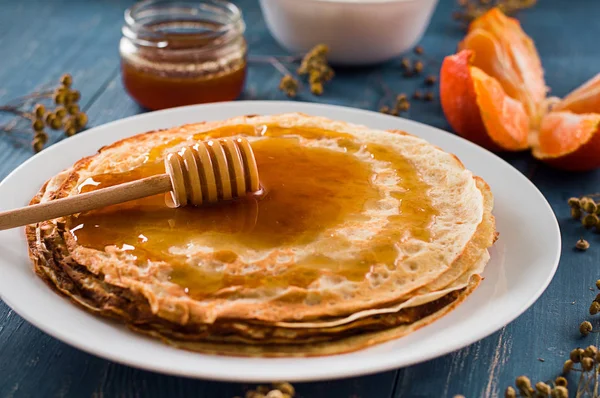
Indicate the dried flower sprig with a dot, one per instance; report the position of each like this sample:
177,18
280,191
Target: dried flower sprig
585,361
401,104
276,390
588,361
411,68
586,327
313,65
524,388
471,9
586,210
62,114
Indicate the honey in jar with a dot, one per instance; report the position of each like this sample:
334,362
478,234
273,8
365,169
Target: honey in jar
176,53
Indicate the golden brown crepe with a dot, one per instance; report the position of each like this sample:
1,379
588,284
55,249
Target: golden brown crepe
362,236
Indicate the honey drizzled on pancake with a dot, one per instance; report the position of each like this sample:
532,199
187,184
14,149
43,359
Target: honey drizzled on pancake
308,191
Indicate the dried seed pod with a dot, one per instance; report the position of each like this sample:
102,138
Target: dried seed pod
567,366
582,245
590,351
560,381
262,389
316,88
81,120
583,201
418,50
39,111
37,125
403,106
559,392
585,328
74,96
289,85
41,136
524,385
56,123
384,109
418,95
576,213
589,206
66,80
430,80
418,68
542,388
405,63
37,145
73,109
71,131
314,77
576,355
510,392
429,96
285,388
60,111
594,308
59,97
574,203
48,118
587,364
523,381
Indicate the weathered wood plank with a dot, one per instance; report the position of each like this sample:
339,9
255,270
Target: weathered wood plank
74,37
47,365
548,330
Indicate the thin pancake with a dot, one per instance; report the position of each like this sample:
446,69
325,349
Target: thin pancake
346,345
453,191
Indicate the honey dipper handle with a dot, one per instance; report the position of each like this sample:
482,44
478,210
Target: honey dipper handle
85,201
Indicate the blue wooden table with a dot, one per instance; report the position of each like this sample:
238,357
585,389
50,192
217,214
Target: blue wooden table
40,40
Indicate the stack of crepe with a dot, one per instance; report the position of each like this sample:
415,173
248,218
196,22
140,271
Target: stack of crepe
394,262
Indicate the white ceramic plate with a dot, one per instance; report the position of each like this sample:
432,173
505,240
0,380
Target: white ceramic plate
522,264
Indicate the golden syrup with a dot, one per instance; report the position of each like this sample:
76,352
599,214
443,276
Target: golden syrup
308,190
155,90
183,54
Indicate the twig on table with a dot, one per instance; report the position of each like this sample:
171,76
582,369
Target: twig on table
267,59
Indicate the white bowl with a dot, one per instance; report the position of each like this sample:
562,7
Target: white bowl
358,32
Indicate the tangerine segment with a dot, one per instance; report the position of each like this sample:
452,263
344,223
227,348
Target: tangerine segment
505,52
477,107
505,119
584,99
569,141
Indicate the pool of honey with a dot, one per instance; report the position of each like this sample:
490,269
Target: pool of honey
308,190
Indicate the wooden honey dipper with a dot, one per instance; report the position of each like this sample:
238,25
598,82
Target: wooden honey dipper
206,172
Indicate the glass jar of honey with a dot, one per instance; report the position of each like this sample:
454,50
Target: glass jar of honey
176,53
